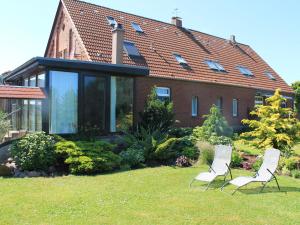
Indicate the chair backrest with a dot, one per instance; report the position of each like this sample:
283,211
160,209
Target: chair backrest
271,160
222,157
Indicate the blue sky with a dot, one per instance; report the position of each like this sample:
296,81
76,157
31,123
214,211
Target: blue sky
271,27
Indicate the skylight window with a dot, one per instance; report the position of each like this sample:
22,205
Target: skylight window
215,65
180,59
270,76
245,71
131,49
112,22
137,27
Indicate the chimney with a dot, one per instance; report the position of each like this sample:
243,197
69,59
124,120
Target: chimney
177,21
232,39
117,44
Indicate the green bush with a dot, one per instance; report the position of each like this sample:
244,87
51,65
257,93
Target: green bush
34,151
157,114
206,152
220,140
292,163
236,159
88,157
257,164
166,151
4,125
133,156
295,174
186,146
179,132
215,124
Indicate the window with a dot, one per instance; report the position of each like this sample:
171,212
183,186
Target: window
259,100
111,21
32,81
245,71
64,102
219,104
131,49
180,59
270,76
283,104
41,80
234,107
137,27
163,93
26,82
194,106
215,65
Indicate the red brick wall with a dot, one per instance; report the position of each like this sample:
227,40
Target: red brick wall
183,91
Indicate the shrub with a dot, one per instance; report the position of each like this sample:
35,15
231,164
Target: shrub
5,171
215,124
157,114
295,174
274,126
206,152
236,159
166,151
133,156
292,163
257,164
88,157
220,140
4,125
183,161
180,132
34,151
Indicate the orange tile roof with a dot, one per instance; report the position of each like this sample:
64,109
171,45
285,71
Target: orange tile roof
14,92
160,40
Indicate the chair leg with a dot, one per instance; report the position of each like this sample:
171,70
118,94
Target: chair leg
235,190
192,183
263,187
223,186
277,183
207,186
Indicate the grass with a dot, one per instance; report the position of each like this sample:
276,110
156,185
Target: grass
147,196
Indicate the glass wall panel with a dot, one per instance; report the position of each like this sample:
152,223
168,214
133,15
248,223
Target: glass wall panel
31,125
25,115
124,103
41,80
32,81
38,115
94,102
26,82
64,102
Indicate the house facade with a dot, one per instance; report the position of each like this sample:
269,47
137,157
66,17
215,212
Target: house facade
100,65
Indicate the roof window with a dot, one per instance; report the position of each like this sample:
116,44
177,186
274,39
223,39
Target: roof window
131,49
270,76
245,71
180,59
215,65
112,22
137,27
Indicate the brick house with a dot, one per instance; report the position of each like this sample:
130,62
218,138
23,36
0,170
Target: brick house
112,60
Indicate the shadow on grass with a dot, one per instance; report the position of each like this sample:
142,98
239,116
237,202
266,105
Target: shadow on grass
268,190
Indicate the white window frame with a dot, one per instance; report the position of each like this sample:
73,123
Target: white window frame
194,106
162,95
235,106
258,100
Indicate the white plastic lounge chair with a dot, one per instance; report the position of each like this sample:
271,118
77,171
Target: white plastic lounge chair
265,173
219,167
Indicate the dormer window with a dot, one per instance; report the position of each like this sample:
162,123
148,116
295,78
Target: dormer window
215,66
245,71
180,59
137,27
131,49
270,76
111,21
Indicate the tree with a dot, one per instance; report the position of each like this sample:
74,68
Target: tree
215,125
275,126
296,87
157,114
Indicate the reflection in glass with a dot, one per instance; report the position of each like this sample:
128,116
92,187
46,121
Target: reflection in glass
38,115
94,103
25,115
64,102
41,80
32,81
31,124
124,103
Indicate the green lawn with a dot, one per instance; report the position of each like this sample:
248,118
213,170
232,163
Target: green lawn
147,196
